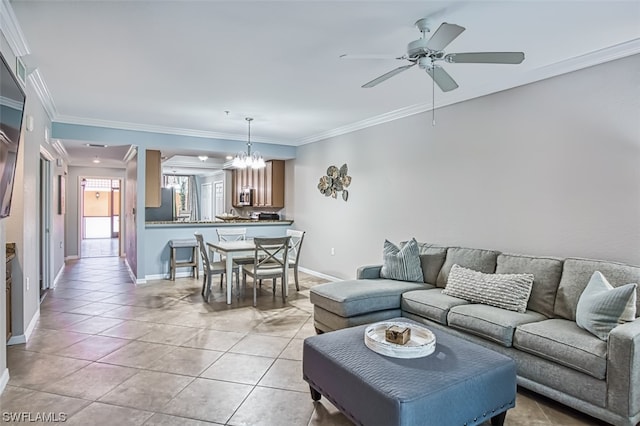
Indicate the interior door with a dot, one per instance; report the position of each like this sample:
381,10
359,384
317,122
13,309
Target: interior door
206,194
219,197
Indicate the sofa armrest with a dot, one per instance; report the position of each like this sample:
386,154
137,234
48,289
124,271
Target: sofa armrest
623,369
370,272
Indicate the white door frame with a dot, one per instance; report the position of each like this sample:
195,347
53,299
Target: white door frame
46,220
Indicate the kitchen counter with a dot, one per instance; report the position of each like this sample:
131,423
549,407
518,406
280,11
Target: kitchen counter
234,222
158,234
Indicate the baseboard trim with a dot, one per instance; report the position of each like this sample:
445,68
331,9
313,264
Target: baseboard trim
58,275
24,338
319,274
72,257
4,379
185,274
133,277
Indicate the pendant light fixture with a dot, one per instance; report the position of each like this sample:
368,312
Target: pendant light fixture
253,160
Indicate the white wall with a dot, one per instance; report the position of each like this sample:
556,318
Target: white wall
551,168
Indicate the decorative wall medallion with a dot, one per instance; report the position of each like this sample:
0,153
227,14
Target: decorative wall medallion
335,181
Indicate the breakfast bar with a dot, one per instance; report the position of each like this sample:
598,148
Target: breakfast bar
158,234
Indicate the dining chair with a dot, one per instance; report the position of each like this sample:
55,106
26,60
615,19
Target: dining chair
234,234
269,262
212,268
294,252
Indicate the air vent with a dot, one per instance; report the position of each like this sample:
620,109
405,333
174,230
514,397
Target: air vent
96,145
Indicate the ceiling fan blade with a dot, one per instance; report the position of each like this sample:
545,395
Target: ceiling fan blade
444,35
386,76
485,58
369,56
442,78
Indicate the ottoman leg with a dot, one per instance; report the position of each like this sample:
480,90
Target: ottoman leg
499,419
315,395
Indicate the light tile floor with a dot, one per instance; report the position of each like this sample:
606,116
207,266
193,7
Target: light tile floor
106,352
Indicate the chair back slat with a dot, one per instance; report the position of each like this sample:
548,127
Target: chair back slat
270,252
231,234
296,244
203,251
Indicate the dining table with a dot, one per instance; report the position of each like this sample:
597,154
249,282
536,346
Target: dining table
236,249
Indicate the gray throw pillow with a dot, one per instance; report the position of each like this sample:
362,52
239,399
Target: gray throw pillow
602,307
401,264
506,291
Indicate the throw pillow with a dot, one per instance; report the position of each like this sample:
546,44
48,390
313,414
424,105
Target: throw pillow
401,263
601,306
506,291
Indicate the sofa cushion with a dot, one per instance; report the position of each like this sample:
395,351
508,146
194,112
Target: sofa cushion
430,304
476,259
401,263
431,260
546,278
356,297
602,307
576,274
490,322
563,342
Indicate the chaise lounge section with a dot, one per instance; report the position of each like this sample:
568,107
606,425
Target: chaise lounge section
554,356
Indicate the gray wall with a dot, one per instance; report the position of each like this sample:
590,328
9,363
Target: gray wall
22,225
550,168
72,218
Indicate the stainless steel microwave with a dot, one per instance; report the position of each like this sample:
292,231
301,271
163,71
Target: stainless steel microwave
246,197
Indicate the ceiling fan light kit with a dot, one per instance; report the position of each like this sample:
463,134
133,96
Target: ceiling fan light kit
425,52
247,159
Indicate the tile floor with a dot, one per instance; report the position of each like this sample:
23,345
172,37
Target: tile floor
106,352
99,247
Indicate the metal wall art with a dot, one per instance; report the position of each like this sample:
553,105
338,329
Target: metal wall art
335,181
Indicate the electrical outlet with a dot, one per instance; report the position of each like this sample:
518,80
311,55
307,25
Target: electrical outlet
333,251
27,283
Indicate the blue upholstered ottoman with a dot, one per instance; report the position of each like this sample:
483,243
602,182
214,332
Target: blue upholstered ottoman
461,383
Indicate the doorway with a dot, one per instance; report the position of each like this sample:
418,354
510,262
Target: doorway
45,225
100,217
206,194
219,197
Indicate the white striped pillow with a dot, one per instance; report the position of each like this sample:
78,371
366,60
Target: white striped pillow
506,291
401,264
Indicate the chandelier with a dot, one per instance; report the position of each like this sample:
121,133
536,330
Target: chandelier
246,159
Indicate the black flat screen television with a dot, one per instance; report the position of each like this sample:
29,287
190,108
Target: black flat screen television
12,100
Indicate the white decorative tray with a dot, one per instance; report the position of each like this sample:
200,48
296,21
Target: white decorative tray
422,342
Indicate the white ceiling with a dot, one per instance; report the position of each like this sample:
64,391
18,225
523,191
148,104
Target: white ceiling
177,66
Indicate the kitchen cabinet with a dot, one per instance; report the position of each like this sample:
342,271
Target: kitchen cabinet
267,183
153,179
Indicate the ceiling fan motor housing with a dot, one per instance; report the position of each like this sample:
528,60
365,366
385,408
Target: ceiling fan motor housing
418,48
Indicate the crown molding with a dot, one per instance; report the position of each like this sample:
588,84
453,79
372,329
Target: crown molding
42,91
60,149
576,63
131,153
121,125
11,30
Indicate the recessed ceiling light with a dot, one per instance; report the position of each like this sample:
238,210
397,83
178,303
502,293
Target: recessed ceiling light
202,157
96,145
96,160
229,157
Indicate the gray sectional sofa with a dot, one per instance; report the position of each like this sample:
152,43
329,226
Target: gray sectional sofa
554,356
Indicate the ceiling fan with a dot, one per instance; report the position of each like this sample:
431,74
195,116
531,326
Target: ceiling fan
426,52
